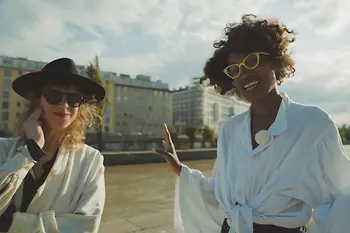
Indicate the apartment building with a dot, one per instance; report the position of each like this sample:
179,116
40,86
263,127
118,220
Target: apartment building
198,106
137,106
11,103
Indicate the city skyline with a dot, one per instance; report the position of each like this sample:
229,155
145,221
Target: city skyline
171,40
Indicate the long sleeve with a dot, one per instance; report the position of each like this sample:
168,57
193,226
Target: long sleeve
335,172
85,218
196,208
13,169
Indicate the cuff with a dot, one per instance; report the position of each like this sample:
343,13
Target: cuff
23,222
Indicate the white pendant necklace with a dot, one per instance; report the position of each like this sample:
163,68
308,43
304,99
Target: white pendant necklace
262,137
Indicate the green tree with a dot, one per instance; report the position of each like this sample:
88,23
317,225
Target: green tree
208,134
94,73
344,132
191,134
174,135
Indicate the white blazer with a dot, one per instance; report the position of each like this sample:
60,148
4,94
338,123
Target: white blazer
71,199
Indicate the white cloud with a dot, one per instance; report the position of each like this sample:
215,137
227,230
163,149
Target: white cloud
327,18
182,33
323,79
133,64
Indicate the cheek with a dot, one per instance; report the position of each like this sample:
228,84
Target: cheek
74,112
237,82
45,107
42,101
260,70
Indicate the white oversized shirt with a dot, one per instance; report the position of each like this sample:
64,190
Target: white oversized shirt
290,181
71,199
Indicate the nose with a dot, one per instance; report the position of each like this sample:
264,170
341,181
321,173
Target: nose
244,75
244,71
64,101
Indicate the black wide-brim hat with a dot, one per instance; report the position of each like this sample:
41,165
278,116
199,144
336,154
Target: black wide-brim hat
60,71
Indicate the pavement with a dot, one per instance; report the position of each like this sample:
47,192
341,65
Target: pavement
161,222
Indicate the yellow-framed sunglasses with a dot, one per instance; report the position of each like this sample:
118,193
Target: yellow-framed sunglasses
250,62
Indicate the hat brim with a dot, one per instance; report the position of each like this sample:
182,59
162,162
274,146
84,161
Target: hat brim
26,84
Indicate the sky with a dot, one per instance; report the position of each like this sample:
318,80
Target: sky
171,39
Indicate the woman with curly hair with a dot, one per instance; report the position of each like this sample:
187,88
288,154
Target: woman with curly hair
50,181
280,165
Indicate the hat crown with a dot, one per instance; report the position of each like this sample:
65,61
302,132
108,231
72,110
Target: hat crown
62,69
65,65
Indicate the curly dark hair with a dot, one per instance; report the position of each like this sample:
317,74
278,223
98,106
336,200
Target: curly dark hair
250,35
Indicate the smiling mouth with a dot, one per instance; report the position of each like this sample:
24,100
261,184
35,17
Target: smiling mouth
62,115
250,86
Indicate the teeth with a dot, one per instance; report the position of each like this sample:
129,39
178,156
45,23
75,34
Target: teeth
250,84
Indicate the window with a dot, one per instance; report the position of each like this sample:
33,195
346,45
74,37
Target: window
4,127
107,120
6,94
19,104
5,116
7,61
5,105
7,83
7,73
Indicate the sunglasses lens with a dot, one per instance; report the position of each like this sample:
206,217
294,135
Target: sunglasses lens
251,60
74,100
53,97
233,70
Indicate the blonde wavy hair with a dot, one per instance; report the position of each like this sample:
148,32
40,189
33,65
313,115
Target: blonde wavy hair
73,137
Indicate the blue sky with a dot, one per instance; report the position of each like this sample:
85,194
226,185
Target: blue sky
171,39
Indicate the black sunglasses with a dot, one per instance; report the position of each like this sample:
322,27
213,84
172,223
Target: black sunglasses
55,97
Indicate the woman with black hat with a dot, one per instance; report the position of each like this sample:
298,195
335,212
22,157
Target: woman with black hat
280,165
50,181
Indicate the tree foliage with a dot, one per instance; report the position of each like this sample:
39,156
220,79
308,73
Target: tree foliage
208,134
344,132
191,134
94,73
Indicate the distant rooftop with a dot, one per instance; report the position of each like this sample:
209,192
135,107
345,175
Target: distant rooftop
140,80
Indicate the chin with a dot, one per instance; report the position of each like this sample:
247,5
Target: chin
252,97
59,127
255,95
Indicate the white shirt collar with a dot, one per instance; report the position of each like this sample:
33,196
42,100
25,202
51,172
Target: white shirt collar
280,124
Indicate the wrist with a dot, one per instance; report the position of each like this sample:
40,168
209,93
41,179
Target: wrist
178,169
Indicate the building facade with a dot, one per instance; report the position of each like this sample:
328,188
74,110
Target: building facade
201,106
12,104
137,106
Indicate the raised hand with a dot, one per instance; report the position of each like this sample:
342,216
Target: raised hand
169,152
32,128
